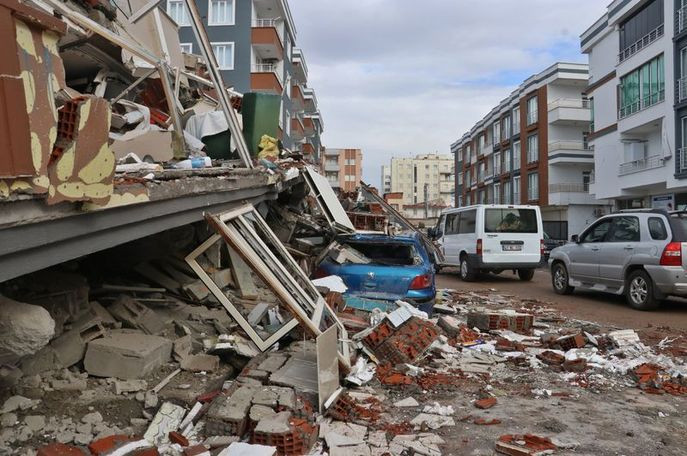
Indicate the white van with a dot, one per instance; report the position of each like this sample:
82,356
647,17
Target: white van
491,238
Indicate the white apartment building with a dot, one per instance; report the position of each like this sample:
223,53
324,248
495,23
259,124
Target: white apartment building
638,61
386,179
430,174
532,149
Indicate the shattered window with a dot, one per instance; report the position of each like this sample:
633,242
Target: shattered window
388,253
510,221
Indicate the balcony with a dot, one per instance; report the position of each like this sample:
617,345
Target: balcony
297,130
310,99
308,126
682,89
681,20
562,152
266,39
308,149
265,78
331,166
300,69
641,43
641,104
570,112
682,160
643,164
447,187
297,97
563,194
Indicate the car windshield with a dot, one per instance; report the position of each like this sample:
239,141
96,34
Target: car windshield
388,253
510,220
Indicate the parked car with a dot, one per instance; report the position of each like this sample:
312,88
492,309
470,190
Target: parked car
549,245
639,254
491,238
399,268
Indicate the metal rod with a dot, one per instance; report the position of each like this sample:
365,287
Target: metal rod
216,77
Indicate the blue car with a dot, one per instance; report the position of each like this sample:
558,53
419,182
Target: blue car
399,268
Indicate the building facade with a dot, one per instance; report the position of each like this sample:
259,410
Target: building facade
386,179
254,42
533,149
343,168
638,64
423,178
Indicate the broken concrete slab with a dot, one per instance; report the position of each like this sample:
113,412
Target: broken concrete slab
275,424
130,386
243,277
167,419
135,315
18,403
299,372
126,355
432,421
340,434
407,402
200,363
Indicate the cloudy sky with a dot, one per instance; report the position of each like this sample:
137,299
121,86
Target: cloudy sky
403,77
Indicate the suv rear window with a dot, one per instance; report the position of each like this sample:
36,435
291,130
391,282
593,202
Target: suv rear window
388,253
510,221
678,225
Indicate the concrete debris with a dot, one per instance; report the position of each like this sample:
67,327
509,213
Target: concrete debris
624,338
129,386
126,355
167,419
133,314
247,449
18,403
407,402
24,329
200,363
424,444
431,421
332,283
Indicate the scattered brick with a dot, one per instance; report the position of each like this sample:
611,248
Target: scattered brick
551,358
176,437
105,445
569,342
483,422
486,403
491,321
196,450
575,365
59,449
523,445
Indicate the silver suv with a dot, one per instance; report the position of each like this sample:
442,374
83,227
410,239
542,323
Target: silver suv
641,254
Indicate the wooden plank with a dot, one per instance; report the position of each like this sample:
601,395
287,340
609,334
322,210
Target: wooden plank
150,273
242,276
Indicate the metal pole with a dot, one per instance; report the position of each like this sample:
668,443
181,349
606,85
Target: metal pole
133,85
216,77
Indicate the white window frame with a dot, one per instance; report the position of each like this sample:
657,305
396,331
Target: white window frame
230,21
497,164
516,120
233,49
517,155
532,110
532,152
188,45
533,186
516,190
497,193
187,20
507,193
507,154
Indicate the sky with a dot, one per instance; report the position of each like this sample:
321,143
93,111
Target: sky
401,77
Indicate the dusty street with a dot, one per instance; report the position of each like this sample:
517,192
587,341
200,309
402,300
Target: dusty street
584,305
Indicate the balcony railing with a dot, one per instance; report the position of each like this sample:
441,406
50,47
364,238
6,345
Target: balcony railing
642,103
264,68
681,20
635,166
569,103
682,89
265,23
572,187
568,145
682,157
641,43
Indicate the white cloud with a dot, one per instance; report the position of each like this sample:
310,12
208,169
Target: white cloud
400,77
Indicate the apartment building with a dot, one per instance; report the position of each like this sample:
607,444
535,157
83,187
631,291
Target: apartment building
254,42
638,68
386,179
343,168
430,174
533,149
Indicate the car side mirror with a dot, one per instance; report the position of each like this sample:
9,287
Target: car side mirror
431,232
438,234
575,238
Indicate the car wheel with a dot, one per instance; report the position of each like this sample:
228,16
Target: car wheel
560,279
526,274
640,291
467,272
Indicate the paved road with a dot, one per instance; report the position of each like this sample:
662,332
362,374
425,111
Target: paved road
599,307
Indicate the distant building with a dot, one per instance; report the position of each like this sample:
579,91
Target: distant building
386,179
343,168
395,200
533,149
638,88
429,175
254,42
421,212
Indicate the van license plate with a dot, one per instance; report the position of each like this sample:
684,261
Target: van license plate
512,247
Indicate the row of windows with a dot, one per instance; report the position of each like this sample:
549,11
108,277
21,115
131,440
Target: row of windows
501,130
509,194
220,12
502,161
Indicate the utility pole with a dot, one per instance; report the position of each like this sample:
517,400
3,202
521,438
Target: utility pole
426,201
